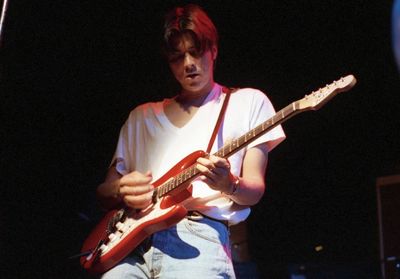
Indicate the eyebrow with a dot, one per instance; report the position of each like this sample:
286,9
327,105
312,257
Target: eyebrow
176,50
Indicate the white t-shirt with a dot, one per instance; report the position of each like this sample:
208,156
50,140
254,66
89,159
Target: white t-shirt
149,141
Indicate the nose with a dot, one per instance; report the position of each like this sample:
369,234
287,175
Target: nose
189,64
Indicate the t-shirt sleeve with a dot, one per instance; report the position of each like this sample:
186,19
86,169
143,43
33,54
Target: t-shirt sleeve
121,158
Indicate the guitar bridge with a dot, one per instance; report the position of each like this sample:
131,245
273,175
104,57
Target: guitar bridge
120,216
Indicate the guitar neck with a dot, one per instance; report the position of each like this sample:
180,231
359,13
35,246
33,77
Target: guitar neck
235,145
230,148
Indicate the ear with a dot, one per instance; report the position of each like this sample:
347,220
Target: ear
214,52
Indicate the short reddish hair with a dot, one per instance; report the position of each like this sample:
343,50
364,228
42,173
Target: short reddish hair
189,20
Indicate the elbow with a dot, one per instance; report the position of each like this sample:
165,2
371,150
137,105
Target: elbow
255,195
258,196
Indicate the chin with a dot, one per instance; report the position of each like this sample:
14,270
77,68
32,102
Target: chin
194,87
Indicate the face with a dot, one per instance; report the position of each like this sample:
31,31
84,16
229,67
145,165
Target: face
194,72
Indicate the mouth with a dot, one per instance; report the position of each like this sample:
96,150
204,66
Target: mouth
192,76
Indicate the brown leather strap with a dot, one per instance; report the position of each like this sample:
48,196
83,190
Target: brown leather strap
228,92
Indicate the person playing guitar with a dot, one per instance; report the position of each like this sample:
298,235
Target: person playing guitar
193,239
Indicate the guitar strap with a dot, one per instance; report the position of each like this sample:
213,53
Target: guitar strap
228,92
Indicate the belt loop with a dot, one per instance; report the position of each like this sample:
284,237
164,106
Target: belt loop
196,216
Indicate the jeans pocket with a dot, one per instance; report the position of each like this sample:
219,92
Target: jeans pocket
208,229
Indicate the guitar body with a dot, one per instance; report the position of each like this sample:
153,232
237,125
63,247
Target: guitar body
107,249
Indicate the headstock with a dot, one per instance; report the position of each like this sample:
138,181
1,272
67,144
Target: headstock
320,97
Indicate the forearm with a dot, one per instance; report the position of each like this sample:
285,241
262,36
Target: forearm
246,191
107,193
133,190
251,184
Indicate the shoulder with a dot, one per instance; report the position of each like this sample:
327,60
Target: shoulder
248,92
146,109
250,95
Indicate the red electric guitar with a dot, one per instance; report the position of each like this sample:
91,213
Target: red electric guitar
121,231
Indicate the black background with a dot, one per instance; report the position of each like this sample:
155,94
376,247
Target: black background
72,71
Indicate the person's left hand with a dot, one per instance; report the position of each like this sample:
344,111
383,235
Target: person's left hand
216,173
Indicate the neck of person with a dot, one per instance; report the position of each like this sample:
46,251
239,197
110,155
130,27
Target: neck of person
194,98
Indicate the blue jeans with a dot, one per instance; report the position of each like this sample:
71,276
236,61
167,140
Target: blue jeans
192,249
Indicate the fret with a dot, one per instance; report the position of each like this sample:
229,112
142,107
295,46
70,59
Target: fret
221,152
160,191
240,141
255,131
262,128
264,125
258,130
275,119
168,186
228,148
193,171
290,108
234,144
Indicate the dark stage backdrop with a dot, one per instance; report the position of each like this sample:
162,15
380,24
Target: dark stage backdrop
72,71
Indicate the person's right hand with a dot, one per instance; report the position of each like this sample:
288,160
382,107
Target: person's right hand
135,189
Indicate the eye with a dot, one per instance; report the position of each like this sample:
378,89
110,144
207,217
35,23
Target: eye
194,53
175,57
